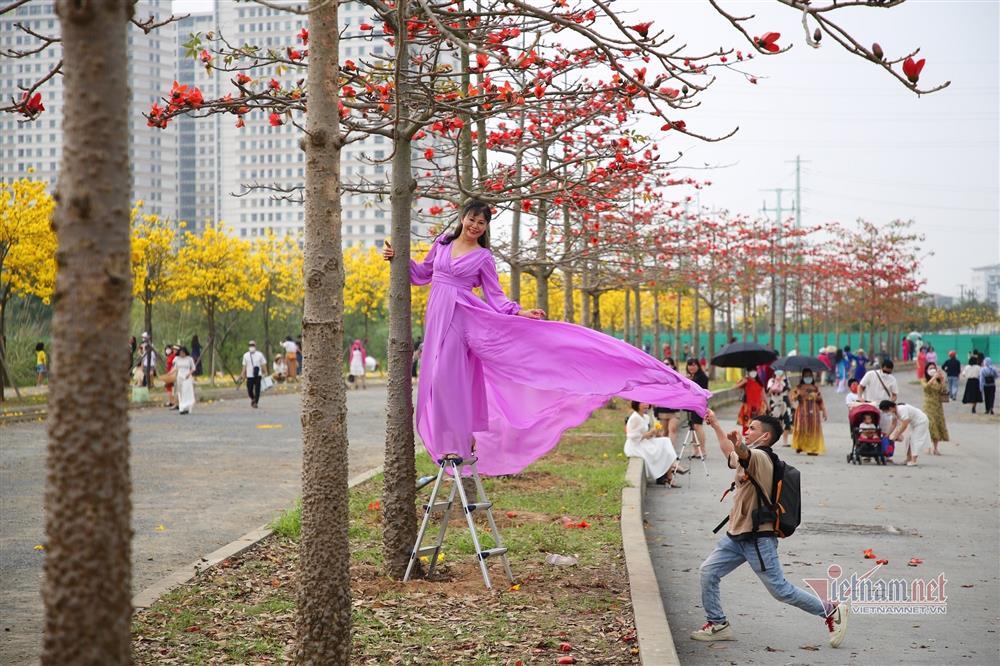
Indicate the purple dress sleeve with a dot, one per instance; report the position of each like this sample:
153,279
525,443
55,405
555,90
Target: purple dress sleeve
421,273
492,290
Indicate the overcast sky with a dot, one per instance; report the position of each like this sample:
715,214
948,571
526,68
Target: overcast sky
870,147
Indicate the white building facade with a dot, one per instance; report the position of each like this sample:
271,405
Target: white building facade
37,144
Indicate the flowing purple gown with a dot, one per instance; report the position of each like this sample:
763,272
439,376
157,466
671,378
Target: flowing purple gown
514,384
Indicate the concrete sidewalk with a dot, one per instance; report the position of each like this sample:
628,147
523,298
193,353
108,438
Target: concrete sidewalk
945,511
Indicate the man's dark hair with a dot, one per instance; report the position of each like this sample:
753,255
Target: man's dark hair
772,424
886,405
887,363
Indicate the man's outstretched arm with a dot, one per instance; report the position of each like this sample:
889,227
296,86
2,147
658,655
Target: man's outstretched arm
727,443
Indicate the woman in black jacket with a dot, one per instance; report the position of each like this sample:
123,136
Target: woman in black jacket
696,374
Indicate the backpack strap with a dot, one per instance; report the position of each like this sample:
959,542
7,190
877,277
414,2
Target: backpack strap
762,498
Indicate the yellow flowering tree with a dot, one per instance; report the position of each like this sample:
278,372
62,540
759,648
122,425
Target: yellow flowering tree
27,248
215,270
419,295
277,265
153,241
367,282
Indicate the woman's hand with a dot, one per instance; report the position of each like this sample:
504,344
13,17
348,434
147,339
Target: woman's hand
387,252
531,314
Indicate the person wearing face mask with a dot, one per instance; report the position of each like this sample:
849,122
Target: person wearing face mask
935,392
752,456
254,367
778,404
753,404
809,409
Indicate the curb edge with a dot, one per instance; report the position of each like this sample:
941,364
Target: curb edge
151,594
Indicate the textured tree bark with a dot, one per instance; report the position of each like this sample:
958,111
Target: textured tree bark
657,327
324,585
568,267
399,528
88,576
638,315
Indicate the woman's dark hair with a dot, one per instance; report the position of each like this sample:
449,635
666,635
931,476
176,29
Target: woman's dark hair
806,372
670,361
635,405
185,350
886,405
927,370
40,346
474,207
195,340
840,355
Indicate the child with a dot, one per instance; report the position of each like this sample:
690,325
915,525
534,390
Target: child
41,364
868,430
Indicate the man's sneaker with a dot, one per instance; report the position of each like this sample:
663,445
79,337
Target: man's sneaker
713,632
836,622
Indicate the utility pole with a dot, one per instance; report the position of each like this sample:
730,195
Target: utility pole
798,161
778,299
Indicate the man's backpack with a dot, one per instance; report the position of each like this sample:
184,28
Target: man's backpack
784,514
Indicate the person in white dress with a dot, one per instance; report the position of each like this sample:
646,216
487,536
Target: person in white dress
912,427
184,365
357,363
642,442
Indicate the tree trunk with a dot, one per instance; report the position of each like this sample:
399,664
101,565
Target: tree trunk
677,326
585,296
212,344
88,512
567,266
542,255
597,311
147,319
399,528
638,317
711,337
627,320
696,326
266,307
729,320
324,584
657,327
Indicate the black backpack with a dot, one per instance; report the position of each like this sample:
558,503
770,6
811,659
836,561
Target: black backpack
784,514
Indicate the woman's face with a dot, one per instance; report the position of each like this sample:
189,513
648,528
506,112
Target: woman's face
643,406
692,368
474,225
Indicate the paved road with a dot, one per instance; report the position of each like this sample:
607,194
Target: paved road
945,511
207,479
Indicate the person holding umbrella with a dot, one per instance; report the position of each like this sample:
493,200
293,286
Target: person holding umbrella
753,399
807,429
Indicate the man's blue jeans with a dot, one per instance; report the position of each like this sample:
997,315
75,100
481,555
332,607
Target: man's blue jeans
729,554
953,387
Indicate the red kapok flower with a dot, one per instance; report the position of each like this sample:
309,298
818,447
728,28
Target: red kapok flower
436,210
641,28
304,35
366,26
912,69
32,106
429,154
205,56
275,120
273,84
243,79
293,54
194,98
482,60
768,41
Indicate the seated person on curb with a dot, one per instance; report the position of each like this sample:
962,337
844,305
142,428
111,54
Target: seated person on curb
736,546
280,373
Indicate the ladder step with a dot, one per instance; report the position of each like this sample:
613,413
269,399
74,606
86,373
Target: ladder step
475,506
492,552
456,460
423,551
437,506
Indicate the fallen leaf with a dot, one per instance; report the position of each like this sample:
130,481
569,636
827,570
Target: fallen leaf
39,547
160,528
966,586
811,648
269,426
771,649
565,647
515,587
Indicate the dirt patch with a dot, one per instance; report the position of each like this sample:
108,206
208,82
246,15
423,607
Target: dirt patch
243,612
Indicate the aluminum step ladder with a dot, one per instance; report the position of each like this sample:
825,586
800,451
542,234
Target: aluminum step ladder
451,467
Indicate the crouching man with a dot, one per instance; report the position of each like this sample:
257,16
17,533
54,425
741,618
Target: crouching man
737,544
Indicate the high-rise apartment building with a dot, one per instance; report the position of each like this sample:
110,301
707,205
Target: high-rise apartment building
38,144
198,175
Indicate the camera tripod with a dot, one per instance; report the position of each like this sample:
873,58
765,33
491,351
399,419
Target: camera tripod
691,439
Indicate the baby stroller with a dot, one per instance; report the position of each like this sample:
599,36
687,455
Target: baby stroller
866,443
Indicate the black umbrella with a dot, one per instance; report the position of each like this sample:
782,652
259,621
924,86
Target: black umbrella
743,355
799,363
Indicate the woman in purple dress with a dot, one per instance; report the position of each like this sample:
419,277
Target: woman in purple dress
500,379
